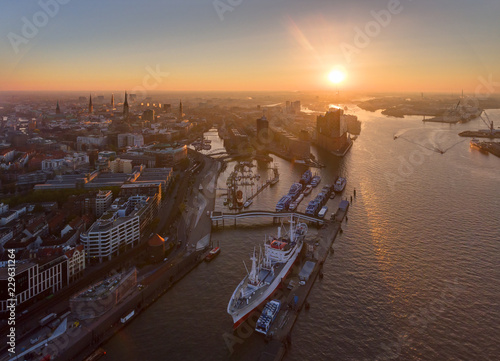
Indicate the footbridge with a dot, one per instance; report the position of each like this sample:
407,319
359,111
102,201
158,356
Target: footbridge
276,216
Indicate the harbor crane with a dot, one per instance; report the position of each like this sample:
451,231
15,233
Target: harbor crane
489,123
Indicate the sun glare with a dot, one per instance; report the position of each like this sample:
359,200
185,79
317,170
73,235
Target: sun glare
336,76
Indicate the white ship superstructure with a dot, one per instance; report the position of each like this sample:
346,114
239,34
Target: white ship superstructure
269,268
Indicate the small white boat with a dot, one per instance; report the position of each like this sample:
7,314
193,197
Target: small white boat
316,180
248,203
322,212
308,189
339,184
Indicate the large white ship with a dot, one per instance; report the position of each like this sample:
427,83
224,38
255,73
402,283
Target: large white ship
267,271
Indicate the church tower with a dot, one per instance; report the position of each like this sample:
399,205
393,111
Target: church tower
112,101
181,113
58,110
125,107
91,107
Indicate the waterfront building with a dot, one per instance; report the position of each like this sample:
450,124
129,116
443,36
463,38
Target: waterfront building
35,278
293,146
331,131
119,227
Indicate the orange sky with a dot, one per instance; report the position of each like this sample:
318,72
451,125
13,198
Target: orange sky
263,46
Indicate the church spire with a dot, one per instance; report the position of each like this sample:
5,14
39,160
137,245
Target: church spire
58,110
181,113
91,107
112,100
125,107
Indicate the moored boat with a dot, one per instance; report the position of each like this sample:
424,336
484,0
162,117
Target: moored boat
268,316
283,203
474,143
315,180
267,272
308,189
322,212
212,254
295,190
306,177
339,184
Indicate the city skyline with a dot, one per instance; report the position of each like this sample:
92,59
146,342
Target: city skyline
248,46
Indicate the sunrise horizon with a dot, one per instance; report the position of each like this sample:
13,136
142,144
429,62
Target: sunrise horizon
380,46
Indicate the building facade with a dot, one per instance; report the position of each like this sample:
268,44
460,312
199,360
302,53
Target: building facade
331,131
103,201
34,279
119,227
130,140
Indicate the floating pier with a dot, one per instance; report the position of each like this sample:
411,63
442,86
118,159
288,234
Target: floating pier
292,294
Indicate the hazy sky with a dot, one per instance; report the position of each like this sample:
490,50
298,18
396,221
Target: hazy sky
95,45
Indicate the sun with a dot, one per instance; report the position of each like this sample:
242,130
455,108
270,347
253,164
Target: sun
336,76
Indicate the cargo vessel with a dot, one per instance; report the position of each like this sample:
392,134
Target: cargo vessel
268,270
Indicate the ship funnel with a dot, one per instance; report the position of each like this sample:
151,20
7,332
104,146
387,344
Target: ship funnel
279,232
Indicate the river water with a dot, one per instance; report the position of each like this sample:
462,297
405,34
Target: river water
414,275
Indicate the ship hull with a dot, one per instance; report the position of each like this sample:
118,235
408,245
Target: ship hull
242,314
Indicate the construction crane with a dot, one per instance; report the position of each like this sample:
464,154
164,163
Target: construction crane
488,123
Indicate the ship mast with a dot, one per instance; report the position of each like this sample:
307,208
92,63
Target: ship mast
253,273
292,229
